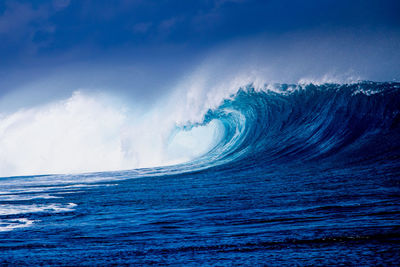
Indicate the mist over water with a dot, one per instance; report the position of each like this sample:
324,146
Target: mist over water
90,133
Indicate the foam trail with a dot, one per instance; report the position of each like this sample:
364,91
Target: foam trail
11,224
25,197
7,209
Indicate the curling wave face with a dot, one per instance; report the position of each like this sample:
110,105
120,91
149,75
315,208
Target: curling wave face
356,123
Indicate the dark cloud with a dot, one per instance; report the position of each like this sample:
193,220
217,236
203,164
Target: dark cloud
105,24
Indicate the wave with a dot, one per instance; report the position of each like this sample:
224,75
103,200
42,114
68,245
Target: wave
348,123
254,126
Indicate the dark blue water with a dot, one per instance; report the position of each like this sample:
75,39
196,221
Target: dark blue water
308,175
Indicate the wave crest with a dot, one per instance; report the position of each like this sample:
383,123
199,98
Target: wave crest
327,123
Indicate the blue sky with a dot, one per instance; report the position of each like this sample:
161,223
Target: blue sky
160,39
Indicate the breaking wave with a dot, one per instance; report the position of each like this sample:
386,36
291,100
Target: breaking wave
271,124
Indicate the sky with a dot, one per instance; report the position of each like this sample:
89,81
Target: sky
142,48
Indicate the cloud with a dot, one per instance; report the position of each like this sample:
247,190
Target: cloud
27,27
17,16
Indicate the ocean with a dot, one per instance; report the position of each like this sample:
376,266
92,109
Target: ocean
299,175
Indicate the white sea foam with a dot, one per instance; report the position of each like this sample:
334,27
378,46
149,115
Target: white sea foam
14,209
11,224
11,197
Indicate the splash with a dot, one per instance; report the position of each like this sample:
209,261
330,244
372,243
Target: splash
87,133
